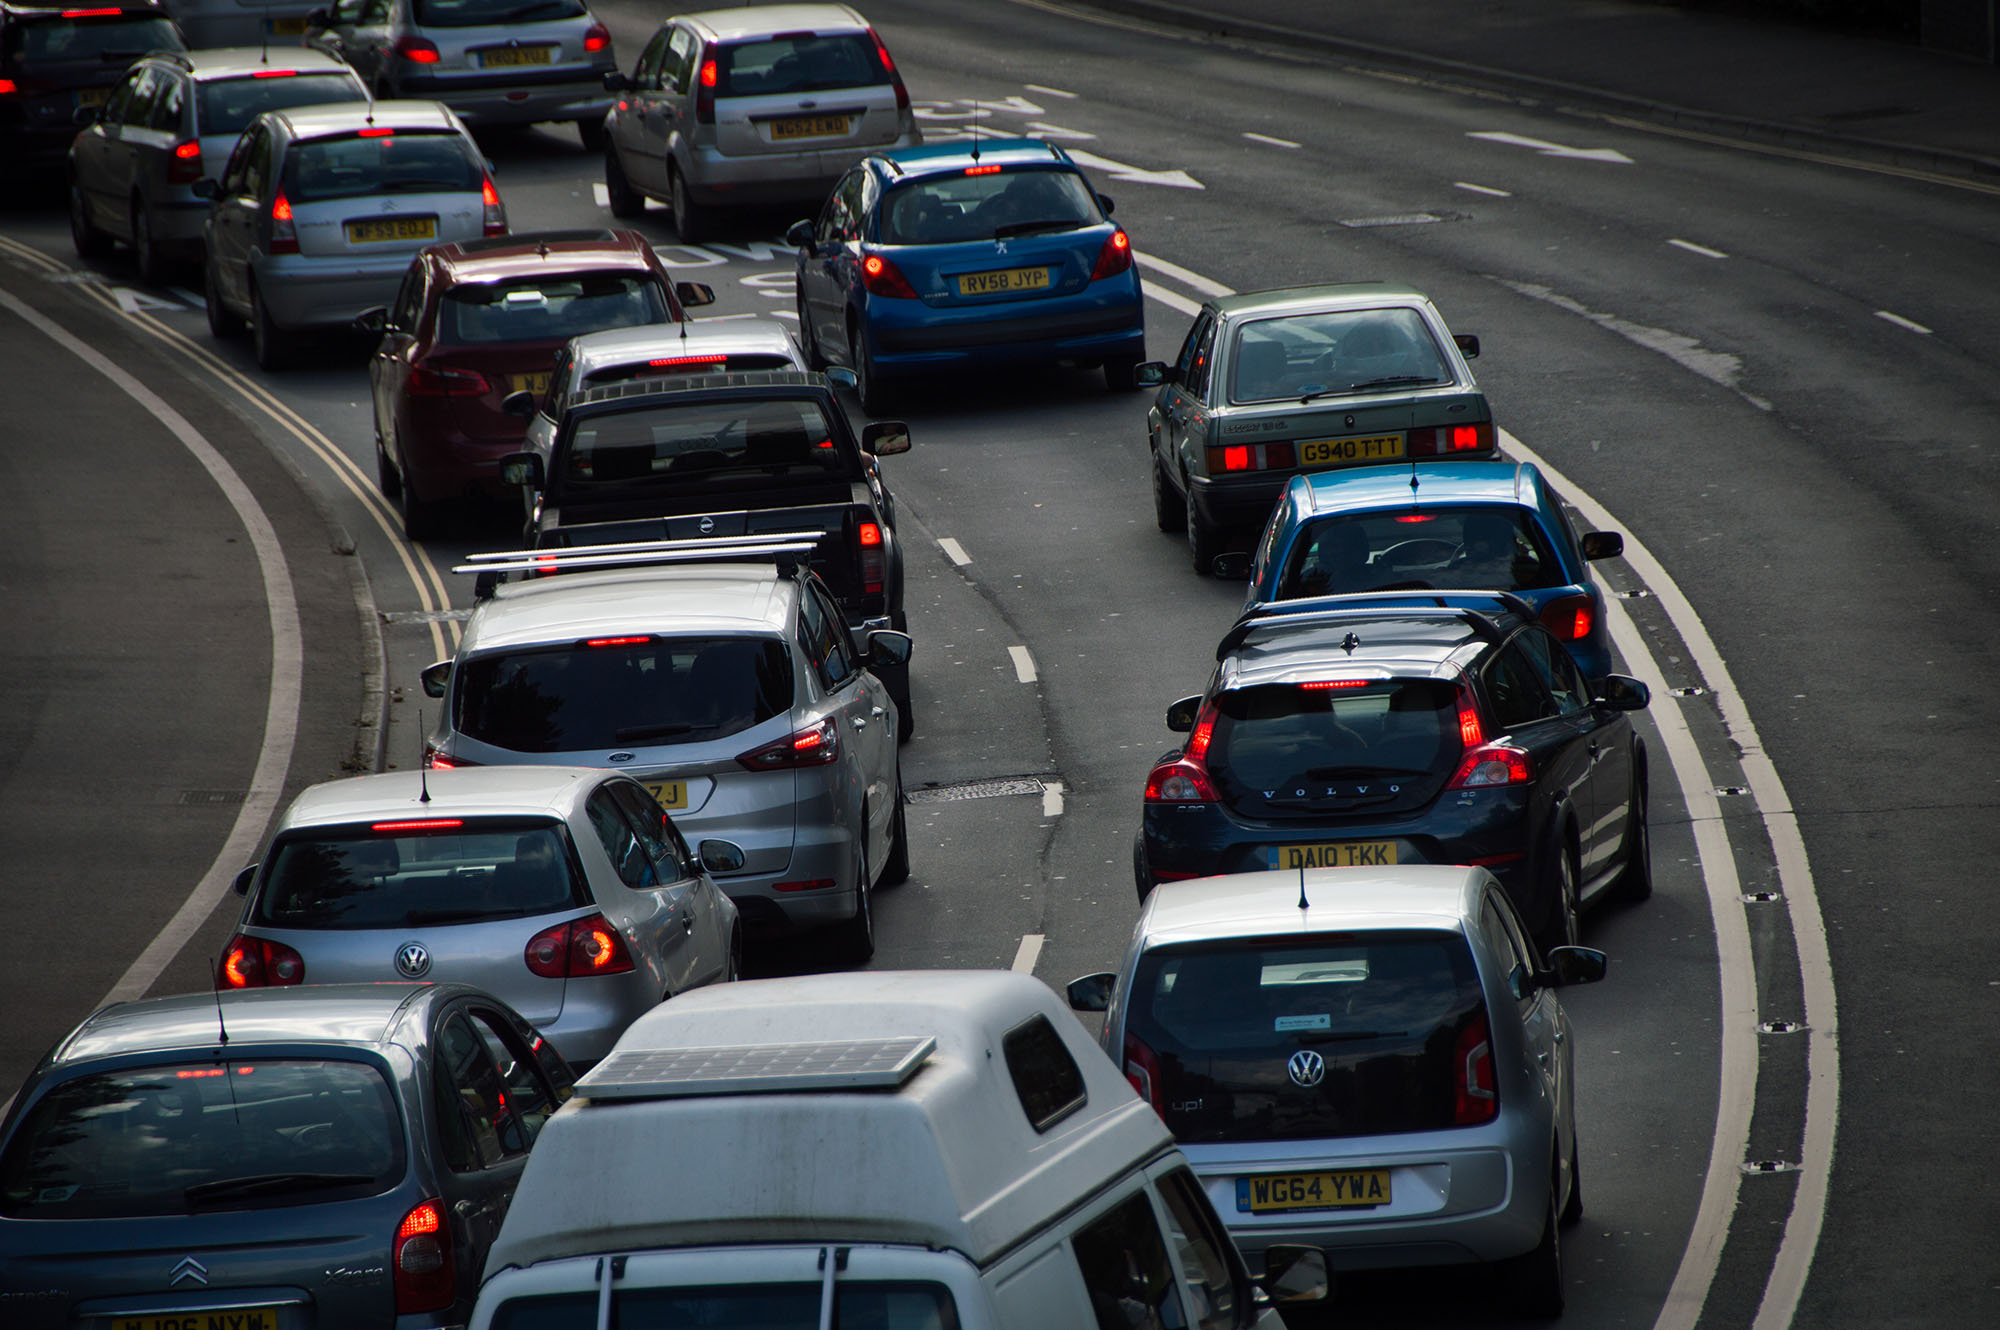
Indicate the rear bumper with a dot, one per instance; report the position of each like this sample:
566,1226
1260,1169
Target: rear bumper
447,462
721,179
1236,502
514,98
1105,320
304,292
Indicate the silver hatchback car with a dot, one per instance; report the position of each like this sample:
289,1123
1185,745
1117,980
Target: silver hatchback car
732,690
567,893
320,210
761,105
1369,1061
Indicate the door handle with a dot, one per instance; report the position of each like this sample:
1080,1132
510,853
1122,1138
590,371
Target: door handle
861,722
687,921
1560,1036
1542,1058
878,712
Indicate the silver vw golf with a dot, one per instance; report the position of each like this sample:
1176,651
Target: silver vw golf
1369,1061
565,892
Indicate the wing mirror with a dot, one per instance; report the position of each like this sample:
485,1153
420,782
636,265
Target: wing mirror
1622,693
1232,567
1468,345
615,81
721,856
1294,1274
522,405
885,438
886,646
1150,374
319,19
374,322
841,377
86,116
1602,544
1092,992
435,677
799,235
521,468
1104,202
1180,716
1573,965
241,886
205,189
694,293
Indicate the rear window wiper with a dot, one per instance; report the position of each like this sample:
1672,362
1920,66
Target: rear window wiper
1338,773
634,733
232,1188
1350,1036
1025,228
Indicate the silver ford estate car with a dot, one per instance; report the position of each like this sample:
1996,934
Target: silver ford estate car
566,892
1369,1061
733,691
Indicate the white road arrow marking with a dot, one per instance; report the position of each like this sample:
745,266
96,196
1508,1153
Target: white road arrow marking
1043,130
1547,149
134,301
1120,171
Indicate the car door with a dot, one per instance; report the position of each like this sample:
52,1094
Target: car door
389,364
1515,683
1544,1038
358,31
1181,432
232,221
486,1120
1607,789
867,738
702,961
828,271
638,154
99,160
648,907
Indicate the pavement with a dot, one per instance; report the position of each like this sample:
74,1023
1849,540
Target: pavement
1737,77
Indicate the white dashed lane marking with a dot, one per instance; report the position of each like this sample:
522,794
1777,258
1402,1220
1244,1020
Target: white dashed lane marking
1702,250
1028,953
1484,189
1024,664
954,551
1902,322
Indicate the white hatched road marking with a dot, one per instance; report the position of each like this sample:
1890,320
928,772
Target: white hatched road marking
954,551
1024,664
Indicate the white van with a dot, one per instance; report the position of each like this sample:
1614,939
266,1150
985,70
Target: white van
916,1150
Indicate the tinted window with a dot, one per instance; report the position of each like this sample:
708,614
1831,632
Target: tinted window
659,691
201,1136
1305,749
947,209
1212,1289
100,42
622,845
800,62
1350,351
703,442
550,308
400,163
472,1079
169,106
1124,1264
228,105
492,869
476,13
1490,548
875,1305
528,1100
1045,1076
1514,689
666,367
1383,1013
138,107
656,833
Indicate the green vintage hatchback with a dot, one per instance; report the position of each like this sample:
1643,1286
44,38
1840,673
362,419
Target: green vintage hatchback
1272,383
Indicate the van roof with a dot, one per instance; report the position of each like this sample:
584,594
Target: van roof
948,1158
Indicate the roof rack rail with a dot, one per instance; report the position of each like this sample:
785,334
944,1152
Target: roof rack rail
1350,606
786,548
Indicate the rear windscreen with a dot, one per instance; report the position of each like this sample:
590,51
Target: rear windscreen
798,62
946,209
194,1137
666,690
1334,352
1287,747
102,42
1488,548
700,442
445,872
553,307
481,13
229,105
400,163
1383,1013
873,1304
666,367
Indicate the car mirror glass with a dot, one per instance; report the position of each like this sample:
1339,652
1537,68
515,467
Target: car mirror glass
1468,345
521,468
1576,965
434,678
799,235
695,294
886,646
720,856
1603,544
522,405
1294,1274
204,189
1150,374
1104,202
1180,716
886,438
1232,567
1622,693
841,377
1092,992
373,322
241,885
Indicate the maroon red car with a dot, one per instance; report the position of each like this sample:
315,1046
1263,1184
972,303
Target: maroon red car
476,321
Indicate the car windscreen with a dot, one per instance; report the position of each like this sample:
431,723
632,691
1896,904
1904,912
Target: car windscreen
415,872
878,1304
229,105
666,367
1488,548
623,692
191,1137
1316,747
107,43
1333,353
797,62
549,307
1217,1026
985,203
482,13
699,443
405,162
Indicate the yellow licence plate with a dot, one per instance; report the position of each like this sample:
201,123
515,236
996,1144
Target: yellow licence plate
236,1318
672,794
287,27
505,56
810,127
529,383
1313,1191
1341,854
1334,452
391,228
1006,279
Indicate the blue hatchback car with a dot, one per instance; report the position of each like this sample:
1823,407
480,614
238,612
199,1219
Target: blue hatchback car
954,255
1438,526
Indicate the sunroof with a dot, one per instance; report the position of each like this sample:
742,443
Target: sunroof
670,1073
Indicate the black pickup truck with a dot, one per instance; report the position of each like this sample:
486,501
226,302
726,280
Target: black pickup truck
726,455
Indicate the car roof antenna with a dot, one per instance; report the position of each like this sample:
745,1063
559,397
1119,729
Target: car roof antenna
1303,906
222,1029
972,128
423,767
1413,477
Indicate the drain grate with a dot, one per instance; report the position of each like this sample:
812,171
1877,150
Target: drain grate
212,797
959,791
425,616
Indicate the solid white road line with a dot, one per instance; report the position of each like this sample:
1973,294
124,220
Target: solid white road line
1028,953
1483,189
954,551
1024,664
1702,250
1266,138
1902,322
282,704
1052,92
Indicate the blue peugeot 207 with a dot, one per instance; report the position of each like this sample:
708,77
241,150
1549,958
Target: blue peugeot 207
957,254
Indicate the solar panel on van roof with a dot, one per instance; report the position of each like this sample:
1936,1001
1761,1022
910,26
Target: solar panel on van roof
669,1073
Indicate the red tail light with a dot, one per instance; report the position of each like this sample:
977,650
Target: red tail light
9,88
578,949
255,962
1493,765
1474,1096
895,76
1470,734
883,278
494,218
1185,779
1114,258
426,1276
705,81
437,761
275,74
185,166
874,559
597,37
988,169
1570,618
284,235
416,50
1428,442
446,383
1251,457
417,824
815,746
1142,1068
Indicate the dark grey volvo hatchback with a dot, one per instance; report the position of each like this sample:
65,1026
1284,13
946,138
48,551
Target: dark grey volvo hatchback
276,1159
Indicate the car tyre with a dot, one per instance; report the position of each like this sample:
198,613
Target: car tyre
1635,880
1534,1279
1572,1211
419,514
146,253
692,222
222,322
896,678
896,868
625,201
1563,927
734,969
1121,374
857,935
1204,542
1169,508
90,242
386,478
591,133
1142,876
270,343
868,389
815,358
